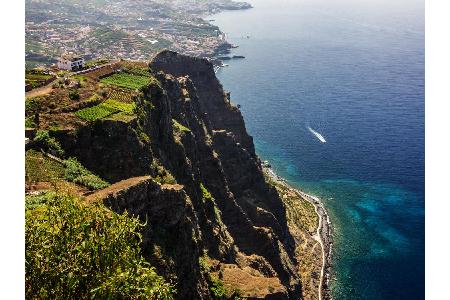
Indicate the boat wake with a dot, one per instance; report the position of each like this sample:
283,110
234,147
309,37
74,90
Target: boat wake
317,135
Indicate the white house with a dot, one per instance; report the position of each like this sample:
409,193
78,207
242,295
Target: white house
70,62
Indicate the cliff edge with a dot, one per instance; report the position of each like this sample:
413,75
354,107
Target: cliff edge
184,163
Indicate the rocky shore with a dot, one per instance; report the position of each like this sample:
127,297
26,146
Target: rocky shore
324,231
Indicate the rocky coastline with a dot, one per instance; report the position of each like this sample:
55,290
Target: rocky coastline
324,230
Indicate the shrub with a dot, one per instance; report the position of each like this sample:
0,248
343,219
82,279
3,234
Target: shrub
76,173
32,105
162,175
206,195
79,251
29,122
217,289
45,142
203,262
74,95
103,93
180,128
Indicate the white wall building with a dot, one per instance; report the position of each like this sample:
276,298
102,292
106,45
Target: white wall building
70,62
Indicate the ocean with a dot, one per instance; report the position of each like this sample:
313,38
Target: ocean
333,94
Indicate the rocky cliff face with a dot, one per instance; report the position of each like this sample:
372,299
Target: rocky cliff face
188,167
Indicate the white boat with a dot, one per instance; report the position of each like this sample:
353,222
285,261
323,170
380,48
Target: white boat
317,135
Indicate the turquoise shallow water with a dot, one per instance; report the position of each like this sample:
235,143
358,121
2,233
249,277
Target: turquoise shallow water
354,72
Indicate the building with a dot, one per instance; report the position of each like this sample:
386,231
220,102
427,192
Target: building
70,62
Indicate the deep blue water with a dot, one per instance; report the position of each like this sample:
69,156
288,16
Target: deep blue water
354,72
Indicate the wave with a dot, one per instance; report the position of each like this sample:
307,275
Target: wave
318,135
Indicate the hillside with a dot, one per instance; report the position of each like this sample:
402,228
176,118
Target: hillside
165,143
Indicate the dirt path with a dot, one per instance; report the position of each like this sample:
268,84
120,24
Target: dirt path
114,188
43,90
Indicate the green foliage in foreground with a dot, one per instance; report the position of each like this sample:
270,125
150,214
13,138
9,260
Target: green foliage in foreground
76,173
78,251
125,80
105,109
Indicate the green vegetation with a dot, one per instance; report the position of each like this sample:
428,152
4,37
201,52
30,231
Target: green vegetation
79,251
39,168
29,122
126,80
96,112
76,173
108,36
49,144
139,71
80,78
216,286
203,262
121,117
74,95
180,128
121,95
105,109
206,195
162,175
217,289
33,105
96,62
36,78
62,73
127,108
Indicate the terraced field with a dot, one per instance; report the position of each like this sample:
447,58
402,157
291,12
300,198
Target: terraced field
106,109
36,80
126,80
121,95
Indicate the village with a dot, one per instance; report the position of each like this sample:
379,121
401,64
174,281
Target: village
120,29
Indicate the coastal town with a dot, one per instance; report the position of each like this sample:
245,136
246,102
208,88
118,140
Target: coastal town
115,29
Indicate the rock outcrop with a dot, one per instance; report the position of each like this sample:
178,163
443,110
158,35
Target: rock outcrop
187,167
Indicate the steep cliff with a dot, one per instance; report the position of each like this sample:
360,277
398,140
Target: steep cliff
185,164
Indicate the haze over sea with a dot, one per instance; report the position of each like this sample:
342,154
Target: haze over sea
352,71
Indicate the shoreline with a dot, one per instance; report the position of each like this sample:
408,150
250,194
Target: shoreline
323,234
